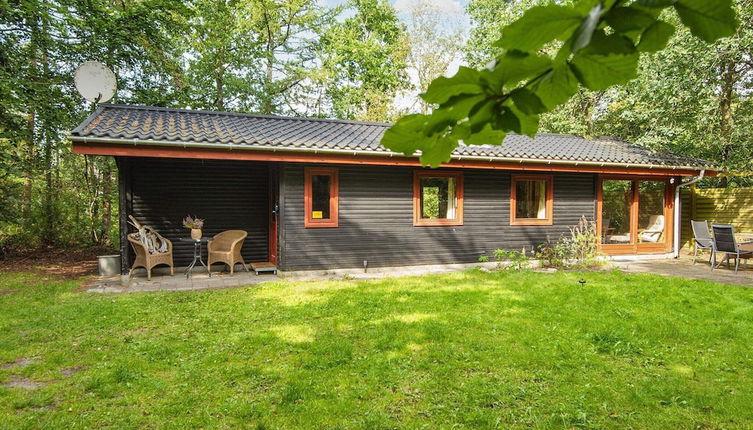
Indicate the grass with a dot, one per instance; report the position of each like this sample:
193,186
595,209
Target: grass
467,350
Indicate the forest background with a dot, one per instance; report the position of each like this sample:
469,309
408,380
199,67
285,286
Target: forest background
360,59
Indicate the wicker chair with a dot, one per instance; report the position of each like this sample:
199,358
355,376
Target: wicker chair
147,260
225,248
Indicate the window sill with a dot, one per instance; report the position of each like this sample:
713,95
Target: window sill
531,221
328,224
437,222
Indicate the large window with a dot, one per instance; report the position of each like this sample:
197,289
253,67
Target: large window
320,197
437,198
616,211
635,214
531,200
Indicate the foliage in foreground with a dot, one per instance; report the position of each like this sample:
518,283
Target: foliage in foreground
475,350
596,44
692,97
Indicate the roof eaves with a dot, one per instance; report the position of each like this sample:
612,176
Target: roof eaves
372,152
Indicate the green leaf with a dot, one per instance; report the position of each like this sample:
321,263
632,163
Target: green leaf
656,37
486,136
655,3
603,44
708,20
465,81
452,111
506,120
584,6
527,102
529,124
512,68
538,26
582,36
599,72
438,151
406,134
629,19
556,87
482,114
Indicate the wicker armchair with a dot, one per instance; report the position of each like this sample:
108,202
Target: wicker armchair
147,260
225,248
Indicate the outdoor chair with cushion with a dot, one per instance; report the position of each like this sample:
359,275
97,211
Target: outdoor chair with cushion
151,249
654,229
226,247
725,244
702,239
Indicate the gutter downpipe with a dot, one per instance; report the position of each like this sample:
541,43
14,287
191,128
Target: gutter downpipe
677,212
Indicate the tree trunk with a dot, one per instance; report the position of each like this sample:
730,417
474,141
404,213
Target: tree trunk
92,194
725,115
267,106
29,165
104,237
48,212
219,87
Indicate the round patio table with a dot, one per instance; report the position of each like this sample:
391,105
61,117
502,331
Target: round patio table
198,244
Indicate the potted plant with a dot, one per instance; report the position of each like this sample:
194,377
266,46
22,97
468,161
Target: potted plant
195,224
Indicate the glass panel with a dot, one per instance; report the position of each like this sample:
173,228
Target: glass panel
651,223
320,196
438,199
617,195
530,199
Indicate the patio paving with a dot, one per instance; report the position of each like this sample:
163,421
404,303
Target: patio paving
178,282
683,267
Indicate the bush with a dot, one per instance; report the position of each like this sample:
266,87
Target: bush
578,249
517,260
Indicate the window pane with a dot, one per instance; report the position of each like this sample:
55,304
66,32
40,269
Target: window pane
438,200
320,196
530,199
615,211
651,223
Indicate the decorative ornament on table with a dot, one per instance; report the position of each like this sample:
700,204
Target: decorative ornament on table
195,224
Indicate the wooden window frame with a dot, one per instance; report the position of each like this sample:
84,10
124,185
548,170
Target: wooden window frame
423,222
635,247
334,197
549,220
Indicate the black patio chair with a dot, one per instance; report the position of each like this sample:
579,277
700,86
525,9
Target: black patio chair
724,243
702,238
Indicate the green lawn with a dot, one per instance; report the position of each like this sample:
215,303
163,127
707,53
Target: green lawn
467,350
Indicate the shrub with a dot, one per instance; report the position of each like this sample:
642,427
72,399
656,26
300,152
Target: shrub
578,249
517,260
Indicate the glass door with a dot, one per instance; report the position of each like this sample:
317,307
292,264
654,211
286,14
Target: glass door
651,208
634,215
616,212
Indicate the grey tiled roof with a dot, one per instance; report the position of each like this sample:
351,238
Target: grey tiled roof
234,130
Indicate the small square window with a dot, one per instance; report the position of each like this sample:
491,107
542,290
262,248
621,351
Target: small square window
531,200
437,198
320,197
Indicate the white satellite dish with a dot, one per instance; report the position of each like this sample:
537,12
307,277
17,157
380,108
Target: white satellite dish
95,82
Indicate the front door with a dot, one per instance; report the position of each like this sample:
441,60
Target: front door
634,215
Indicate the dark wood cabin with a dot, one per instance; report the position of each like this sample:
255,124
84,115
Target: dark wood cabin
318,194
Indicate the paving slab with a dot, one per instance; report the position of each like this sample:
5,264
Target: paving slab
683,267
177,282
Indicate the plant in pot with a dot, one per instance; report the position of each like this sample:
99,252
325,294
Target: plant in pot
195,224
